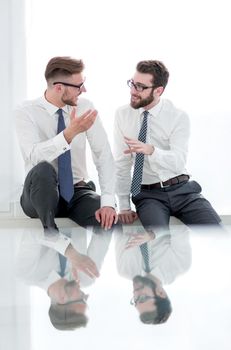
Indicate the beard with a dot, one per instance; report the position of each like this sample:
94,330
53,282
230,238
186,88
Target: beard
141,102
68,101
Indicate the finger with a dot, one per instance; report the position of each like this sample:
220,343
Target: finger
106,220
121,218
110,221
116,218
128,151
93,271
102,216
74,273
85,114
97,215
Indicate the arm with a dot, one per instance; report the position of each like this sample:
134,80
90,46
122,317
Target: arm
174,158
123,165
36,131
104,162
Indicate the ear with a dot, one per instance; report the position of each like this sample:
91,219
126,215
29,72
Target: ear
160,292
159,91
58,87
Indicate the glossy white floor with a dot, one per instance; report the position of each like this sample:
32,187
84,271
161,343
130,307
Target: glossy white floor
200,299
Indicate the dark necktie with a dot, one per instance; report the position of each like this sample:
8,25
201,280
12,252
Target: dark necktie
62,263
145,255
139,161
65,176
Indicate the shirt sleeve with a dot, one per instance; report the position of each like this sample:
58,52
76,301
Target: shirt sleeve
58,242
123,165
174,158
33,146
104,162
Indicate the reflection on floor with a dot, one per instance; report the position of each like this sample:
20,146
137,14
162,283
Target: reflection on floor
192,267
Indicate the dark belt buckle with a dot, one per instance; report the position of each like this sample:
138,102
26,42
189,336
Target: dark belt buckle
162,185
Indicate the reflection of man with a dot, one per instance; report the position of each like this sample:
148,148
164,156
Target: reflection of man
68,305
40,263
150,299
169,255
152,134
53,131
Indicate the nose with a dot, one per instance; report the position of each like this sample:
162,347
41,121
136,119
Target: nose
83,89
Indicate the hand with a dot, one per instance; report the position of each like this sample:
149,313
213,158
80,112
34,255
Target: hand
138,239
79,124
106,216
136,146
81,262
127,216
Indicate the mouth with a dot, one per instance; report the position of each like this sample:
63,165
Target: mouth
134,97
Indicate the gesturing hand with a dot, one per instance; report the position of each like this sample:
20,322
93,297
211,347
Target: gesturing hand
81,262
79,124
106,216
136,146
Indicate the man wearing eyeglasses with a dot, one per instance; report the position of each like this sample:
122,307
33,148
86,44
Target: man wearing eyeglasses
152,134
53,131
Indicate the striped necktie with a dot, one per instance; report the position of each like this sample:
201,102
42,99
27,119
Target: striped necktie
139,161
145,255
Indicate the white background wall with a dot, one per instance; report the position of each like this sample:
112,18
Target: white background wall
192,39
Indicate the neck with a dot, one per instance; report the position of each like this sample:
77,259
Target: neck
152,104
53,99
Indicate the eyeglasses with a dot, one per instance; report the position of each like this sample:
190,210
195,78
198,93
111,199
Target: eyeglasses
139,87
140,299
68,84
82,300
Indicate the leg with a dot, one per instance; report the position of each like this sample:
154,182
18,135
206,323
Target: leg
83,206
152,209
40,195
193,208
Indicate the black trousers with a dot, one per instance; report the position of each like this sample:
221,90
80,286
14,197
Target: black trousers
184,201
40,199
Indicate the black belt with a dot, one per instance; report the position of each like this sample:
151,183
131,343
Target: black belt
174,181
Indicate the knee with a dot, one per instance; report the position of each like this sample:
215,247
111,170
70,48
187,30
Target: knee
44,171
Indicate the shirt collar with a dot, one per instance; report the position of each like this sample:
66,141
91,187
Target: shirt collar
154,111
50,108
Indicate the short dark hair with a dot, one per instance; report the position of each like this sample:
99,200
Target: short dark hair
63,317
163,308
157,69
63,65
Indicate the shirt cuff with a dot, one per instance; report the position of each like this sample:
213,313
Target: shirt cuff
58,242
124,202
107,200
61,143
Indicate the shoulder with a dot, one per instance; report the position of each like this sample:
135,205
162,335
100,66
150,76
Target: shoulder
170,108
124,109
126,113
29,105
174,115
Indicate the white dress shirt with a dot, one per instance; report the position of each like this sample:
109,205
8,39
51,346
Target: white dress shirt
36,126
169,253
168,131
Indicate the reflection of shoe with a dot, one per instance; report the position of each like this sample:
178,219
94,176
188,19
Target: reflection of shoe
91,185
